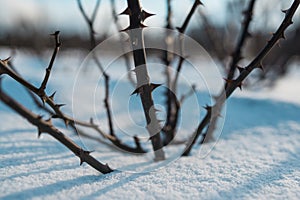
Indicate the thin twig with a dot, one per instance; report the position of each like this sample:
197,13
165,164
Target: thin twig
49,68
4,66
167,59
172,102
125,55
236,56
90,23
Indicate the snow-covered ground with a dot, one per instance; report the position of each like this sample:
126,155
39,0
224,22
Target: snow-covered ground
256,156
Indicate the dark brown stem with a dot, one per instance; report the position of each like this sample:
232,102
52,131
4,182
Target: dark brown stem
47,127
256,63
182,29
137,16
49,68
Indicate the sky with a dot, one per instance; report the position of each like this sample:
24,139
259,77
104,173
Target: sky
64,15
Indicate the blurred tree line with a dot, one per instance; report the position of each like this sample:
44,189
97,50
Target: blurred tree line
218,38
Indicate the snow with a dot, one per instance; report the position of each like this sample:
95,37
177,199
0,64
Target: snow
256,155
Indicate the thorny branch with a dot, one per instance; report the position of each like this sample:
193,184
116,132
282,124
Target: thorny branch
144,87
236,57
49,68
90,22
244,72
57,113
45,126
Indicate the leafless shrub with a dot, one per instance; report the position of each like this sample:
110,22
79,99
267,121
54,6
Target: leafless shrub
144,86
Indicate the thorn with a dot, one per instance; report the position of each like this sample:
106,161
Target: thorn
179,29
55,33
52,96
145,15
240,86
127,11
138,90
82,154
67,122
81,161
39,117
154,86
143,25
59,105
91,120
5,61
228,81
241,69
231,81
39,133
260,66
283,35
208,108
285,11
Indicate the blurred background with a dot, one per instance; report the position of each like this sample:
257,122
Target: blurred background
26,25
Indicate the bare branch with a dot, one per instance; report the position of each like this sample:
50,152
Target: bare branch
45,126
49,68
137,17
236,56
182,29
173,105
